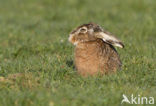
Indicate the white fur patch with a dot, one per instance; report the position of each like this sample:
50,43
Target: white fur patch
90,31
71,39
75,43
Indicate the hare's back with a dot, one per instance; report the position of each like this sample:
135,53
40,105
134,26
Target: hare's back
109,58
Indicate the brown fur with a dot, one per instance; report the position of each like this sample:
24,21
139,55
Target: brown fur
94,57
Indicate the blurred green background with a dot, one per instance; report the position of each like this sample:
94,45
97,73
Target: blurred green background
36,57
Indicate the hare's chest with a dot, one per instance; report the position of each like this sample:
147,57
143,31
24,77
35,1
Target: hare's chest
86,60
87,55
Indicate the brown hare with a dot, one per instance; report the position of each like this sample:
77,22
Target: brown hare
94,52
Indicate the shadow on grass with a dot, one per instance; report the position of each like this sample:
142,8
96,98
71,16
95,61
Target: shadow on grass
70,63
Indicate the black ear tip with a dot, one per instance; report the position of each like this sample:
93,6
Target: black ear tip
123,46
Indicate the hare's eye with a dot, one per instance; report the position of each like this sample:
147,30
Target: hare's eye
83,30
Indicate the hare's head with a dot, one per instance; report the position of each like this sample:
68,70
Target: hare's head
91,32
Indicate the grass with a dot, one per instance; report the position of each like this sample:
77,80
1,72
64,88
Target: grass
35,55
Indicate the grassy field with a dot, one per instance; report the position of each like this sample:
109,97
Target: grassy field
36,58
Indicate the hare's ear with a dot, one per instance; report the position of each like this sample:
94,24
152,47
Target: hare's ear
109,38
